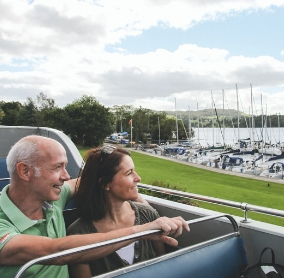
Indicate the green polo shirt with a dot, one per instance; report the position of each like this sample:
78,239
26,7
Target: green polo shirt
13,222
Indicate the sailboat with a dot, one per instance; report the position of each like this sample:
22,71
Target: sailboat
216,147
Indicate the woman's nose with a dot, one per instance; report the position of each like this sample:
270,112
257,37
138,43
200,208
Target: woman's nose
137,178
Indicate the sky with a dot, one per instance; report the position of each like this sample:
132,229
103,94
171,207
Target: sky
157,54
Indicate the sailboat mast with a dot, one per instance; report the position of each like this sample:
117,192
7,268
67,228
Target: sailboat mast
279,128
266,119
223,93
270,131
261,120
159,131
189,124
176,119
198,125
238,111
252,122
212,118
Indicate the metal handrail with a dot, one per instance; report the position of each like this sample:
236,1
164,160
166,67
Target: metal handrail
240,205
121,239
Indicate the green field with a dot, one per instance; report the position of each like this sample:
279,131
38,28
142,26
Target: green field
209,183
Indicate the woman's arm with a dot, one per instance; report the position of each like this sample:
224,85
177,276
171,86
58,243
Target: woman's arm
23,248
160,248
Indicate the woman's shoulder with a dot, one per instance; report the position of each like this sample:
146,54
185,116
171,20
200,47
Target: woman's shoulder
81,226
141,206
145,210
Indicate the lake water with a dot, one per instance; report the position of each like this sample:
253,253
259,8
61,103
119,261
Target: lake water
230,135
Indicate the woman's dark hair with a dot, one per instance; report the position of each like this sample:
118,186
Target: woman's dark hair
92,202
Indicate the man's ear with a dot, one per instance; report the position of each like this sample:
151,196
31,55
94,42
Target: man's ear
24,171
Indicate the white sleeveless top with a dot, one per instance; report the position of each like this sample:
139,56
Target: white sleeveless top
127,253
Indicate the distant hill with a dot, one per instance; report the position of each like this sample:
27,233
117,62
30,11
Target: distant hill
207,113
228,117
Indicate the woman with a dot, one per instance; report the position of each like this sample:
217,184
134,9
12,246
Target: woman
108,184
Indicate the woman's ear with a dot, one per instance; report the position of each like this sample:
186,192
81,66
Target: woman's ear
105,187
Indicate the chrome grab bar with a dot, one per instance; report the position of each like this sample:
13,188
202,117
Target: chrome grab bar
121,239
244,206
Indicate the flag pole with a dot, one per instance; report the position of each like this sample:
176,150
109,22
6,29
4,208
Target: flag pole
131,133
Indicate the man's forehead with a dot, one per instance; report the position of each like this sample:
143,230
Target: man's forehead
53,152
45,142
52,163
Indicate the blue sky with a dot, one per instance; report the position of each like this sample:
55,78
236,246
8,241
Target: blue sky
247,33
145,53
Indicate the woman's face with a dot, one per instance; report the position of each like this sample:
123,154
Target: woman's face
124,184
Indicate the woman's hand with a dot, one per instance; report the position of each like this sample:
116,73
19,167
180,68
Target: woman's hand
170,229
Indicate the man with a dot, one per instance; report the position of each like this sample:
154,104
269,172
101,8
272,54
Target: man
31,220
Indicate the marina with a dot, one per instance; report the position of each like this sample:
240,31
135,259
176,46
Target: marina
251,157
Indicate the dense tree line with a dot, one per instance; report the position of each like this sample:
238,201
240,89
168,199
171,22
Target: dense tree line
148,125
85,120
88,123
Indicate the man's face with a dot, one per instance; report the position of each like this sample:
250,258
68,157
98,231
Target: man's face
47,180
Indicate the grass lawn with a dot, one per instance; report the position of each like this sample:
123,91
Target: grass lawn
82,150
209,183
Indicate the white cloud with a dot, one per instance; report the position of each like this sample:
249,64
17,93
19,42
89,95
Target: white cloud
58,47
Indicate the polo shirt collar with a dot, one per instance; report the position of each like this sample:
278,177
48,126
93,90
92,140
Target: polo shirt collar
20,220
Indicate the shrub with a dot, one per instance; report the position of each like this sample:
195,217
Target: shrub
169,197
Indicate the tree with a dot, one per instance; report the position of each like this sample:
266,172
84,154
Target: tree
56,118
156,122
2,114
45,106
168,128
31,113
122,115
88,122
28,114
11,110
140,120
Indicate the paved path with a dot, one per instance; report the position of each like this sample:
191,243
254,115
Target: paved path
212,169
